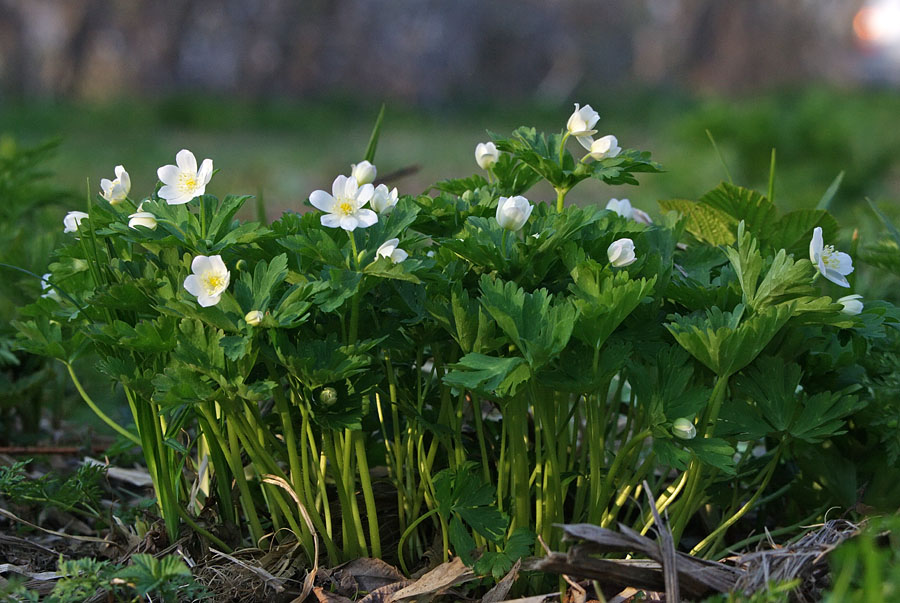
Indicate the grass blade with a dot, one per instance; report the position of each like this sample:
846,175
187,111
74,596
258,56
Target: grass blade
373,139
825,201
721,158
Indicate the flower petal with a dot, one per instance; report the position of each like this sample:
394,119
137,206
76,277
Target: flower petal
845,263
585,141
216,263
366,217
339,186
836,277
322,200
816,244
365,193
330,220
192,284
349,223
186,161
208,300
201,264
168,174
205,173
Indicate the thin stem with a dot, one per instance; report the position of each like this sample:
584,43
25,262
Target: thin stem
562,150
769,471
365,480
561,199
103,416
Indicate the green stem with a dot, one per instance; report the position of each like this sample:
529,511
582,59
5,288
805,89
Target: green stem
623,454
769,471
405,536
479,433
103,416
237,470
562,150
365,481
352,539
561,199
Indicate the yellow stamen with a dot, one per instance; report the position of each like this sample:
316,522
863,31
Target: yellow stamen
345,208
187,182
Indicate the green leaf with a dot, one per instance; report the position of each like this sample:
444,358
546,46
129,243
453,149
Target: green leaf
793,231
713,451
536,325
458,186
705,223
487,375
743,204
373,138
342,285
830,192
461,494
498,563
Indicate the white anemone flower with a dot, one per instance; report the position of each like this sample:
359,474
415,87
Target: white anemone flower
384,200
581,125
344,206
833,265
209,280
116,191
142,218
606,146
364,172
851,304
621,253
183,182
73,220
624,208
390,250
486,155
513,212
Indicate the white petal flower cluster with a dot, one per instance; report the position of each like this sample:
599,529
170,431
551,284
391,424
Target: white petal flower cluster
183,182
209,280
486,155
389,249
116,191
344,206
513,212
833,265
621,253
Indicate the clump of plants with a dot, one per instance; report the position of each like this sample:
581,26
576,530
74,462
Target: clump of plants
513,363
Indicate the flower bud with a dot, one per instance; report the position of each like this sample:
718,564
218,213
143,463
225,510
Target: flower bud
513,212
73,220
486,155
383,200
389,249
621,253
142,218
684,428
606,146
851,304
253,317
328,396
364,172
621,207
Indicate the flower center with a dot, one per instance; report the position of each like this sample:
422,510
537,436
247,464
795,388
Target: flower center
829,257
187,182
212,283
345,207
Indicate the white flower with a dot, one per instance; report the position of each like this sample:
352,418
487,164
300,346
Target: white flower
624,208
383,200
833,265
364,172
116,191
49,290
621,253
684,429
209,281
344,207
486,155
513,212
142,218
851,303
73,220
390,250
581,125
607,146
183,182
253,317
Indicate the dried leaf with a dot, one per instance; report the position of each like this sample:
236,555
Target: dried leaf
436,581
371,574
501,589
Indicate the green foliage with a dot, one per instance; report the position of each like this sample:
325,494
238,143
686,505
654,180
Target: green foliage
79,491
867,566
